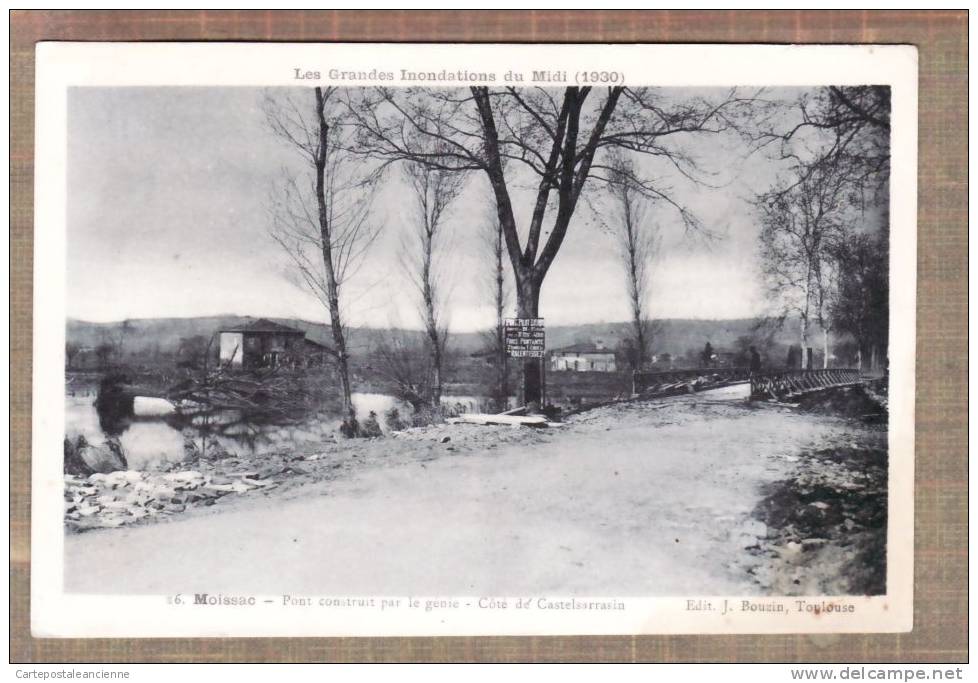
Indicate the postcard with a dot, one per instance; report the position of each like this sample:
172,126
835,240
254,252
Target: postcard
420,339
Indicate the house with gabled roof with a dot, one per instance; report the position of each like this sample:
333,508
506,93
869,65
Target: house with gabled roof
267,344
584,357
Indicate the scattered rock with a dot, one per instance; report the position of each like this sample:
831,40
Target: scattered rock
832,507
270,471
812,543
235,487
126,496
754,527
105,458
88,510
849,401
185,481
188,475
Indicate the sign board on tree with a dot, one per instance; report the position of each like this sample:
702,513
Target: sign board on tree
525,337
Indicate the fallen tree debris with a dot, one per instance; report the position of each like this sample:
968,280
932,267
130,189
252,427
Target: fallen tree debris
128,496
501,419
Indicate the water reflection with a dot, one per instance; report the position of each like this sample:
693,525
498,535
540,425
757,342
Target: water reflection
155,443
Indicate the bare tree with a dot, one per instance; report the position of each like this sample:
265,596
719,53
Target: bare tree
861,306
72,349
836,126
552,139
111,344
799,223
433,189
401,360
498,289
192,352
320,218
104,352
638,245
839,148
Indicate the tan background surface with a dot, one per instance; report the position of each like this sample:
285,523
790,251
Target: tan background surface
941,606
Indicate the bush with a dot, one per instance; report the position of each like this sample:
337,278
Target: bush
424,416
371,427
198,447
350,428
452,410
394,421
73,462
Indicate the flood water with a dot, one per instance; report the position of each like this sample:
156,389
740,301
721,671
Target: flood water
152,443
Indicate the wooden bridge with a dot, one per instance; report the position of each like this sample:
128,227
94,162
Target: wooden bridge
782,385
790,384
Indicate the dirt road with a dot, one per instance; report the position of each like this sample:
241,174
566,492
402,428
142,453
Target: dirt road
640,499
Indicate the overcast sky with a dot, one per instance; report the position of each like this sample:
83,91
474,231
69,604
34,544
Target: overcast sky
168,190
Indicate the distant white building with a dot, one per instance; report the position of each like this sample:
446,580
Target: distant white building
587,357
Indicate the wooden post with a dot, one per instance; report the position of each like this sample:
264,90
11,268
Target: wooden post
543,376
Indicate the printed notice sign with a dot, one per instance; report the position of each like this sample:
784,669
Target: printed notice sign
525,338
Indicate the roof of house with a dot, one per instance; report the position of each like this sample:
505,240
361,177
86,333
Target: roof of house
263,326
584,347
316,344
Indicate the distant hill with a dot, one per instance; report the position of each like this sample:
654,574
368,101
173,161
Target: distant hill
675,336
164,334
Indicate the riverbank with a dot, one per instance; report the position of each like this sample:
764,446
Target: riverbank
136,497
639,498
826,521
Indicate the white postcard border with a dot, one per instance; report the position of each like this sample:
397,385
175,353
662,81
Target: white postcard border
55,613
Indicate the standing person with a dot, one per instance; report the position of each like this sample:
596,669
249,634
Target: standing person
707,355
755,362
794,357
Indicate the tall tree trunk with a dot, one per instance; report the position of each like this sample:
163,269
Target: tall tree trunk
825,348
342,358
636,301
528,306
502,361
332,286
641,343
806,358
804,342
431,327
436,361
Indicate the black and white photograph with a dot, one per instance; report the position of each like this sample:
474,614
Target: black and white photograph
543,340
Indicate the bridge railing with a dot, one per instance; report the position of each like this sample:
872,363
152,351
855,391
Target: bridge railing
783,385
653,382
